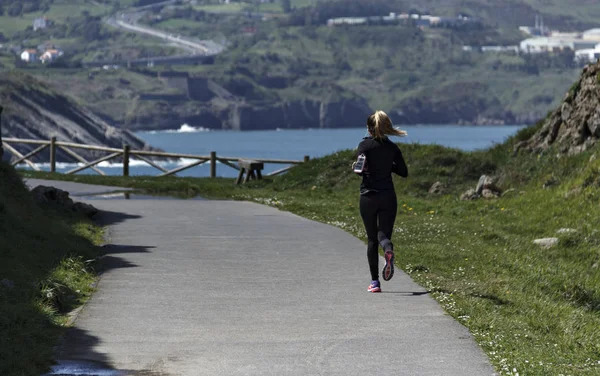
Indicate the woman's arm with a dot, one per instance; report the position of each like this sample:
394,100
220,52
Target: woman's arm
399,166
361,149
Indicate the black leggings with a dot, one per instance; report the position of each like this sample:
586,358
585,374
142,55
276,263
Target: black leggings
378,211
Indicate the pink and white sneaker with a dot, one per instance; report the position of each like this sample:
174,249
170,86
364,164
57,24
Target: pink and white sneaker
375,286
388,269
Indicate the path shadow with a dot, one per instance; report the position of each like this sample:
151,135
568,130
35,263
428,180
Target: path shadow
77,355
79,344
109,262
113,249
107,218
408,293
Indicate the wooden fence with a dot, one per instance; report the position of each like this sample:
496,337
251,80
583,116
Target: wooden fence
127,155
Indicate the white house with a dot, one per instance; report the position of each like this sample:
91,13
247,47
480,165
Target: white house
592,34
50,55
544,44
41,23
589,55
29,56
500,49
582,44
560,34
347,21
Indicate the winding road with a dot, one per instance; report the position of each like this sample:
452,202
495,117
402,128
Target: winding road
128,20
198,287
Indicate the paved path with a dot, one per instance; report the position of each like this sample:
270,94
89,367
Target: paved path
235,288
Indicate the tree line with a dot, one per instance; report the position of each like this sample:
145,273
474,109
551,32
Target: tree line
16,8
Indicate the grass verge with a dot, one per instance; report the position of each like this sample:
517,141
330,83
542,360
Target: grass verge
534,311
46,270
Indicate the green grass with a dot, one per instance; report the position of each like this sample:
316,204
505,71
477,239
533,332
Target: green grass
582,10
46,268
175,24
231,7
10,25
59,12
530,309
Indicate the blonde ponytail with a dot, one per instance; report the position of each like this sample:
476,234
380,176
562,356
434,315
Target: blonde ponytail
380,126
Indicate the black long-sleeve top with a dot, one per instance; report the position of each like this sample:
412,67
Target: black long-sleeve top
383,158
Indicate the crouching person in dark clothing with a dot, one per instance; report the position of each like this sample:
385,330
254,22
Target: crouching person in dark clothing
378,158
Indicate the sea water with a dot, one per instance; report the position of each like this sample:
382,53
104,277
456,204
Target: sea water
288,144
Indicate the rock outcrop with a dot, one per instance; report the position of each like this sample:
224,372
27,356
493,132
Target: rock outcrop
299,115
575,125
438,188
486,188
32,110
57,197
546,242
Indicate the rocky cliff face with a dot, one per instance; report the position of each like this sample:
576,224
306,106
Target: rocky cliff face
298,114
575,125
239,115
32,110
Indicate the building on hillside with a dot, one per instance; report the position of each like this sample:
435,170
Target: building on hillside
545,44
582,44
346,21
552,44
589,55
41,23
50,55
418,20
592,34
559,34
29,56
500,49
539,30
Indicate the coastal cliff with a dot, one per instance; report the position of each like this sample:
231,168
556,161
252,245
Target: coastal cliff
203,102
33,110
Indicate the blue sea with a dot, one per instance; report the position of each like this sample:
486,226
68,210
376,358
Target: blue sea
289,145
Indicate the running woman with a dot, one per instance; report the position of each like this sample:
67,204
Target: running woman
378,203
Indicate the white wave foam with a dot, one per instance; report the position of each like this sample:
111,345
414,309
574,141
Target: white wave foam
106,164
185,128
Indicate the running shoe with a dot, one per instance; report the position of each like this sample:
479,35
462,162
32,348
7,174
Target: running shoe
374,287
388,268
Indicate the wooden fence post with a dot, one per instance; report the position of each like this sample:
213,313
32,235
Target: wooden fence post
1,149
126,149
213,164
306,158
53,154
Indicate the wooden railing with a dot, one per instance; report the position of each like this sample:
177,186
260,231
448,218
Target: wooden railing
127,155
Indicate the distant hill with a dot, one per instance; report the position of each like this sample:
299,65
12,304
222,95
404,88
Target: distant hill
558,14
32,110
293,64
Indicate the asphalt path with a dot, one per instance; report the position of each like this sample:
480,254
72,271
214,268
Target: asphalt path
236,288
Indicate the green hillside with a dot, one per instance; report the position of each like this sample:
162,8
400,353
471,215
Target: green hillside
422,74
